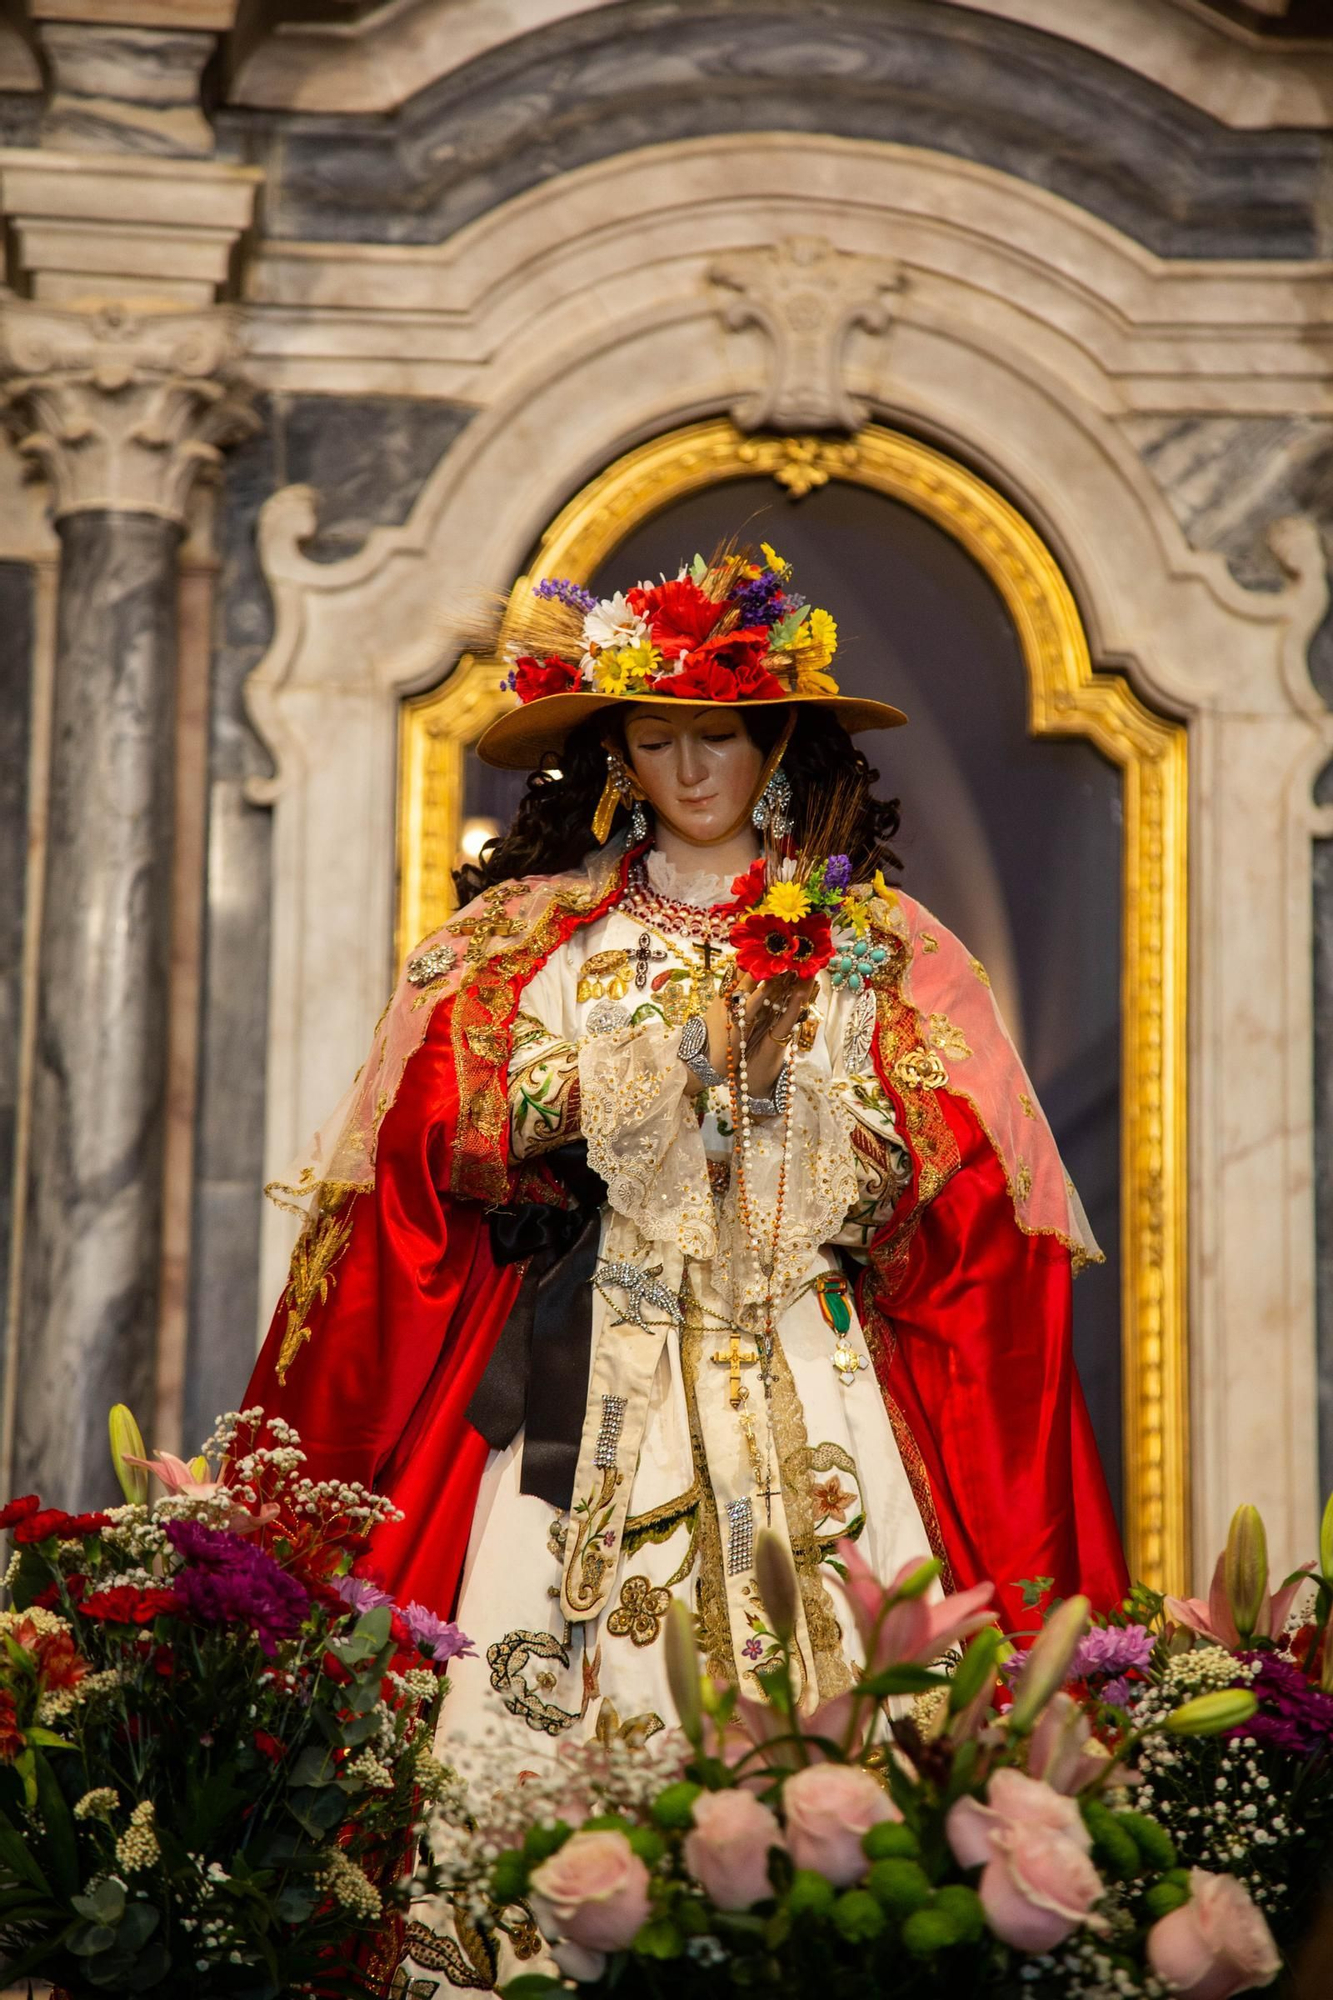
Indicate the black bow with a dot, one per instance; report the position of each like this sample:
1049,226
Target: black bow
537,1377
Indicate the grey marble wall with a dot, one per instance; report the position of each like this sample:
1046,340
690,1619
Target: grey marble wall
16,609
367,458
647,71
91,1254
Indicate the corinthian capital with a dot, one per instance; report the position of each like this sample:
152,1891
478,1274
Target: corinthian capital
122,409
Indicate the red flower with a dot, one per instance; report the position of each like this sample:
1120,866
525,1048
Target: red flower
724,670
333,1669
398,1631
749,888
678,614
59,1662
12,1739
126,1604
18,1510
535,678
47,1521
768,946
269,1746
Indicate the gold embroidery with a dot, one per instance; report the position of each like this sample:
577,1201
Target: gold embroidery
1023,1181
634,1730
318,1248
980,971
794,1455
1029,1112
945,1036
587,1563
919,1069
639,1614
507,1659
712,1619
927,942
605,976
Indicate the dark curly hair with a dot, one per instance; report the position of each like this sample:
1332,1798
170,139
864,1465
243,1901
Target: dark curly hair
552,829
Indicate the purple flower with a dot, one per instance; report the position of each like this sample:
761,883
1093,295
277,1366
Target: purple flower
753,1649
565,592
361,1593
1120,1693
225,1580
439,1637
1111,1649
1293,1716
837,872
761,601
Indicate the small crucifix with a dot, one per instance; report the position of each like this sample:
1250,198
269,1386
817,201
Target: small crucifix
766,1493
735,1359
643,956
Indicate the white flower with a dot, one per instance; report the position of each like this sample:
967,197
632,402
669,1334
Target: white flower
612,623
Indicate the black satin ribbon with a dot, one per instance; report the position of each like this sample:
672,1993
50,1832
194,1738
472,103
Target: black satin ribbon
537,1377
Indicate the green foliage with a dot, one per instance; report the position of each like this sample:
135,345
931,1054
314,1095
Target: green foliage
899,1885
890,1839
541,1842
674,1807
810,1894
858,1917
927,1932
1163,1897
961,1906
1152,1840
1113,1845
509,1877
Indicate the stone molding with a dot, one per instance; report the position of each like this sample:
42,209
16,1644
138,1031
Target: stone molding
805,297
375,64
1026,335
121,410
90,229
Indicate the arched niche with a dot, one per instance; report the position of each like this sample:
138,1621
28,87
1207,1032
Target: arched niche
1064,697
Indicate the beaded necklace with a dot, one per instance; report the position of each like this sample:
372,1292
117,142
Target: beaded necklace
646,905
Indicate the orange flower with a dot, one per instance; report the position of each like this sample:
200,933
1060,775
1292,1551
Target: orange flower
12,1739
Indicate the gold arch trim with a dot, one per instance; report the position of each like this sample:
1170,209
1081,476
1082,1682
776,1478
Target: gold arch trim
1066,697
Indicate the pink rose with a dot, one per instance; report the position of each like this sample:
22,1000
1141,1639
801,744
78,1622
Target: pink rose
1013,1801
1038,1887
727,1852
592,1894
828,1807
1037,1882
1216,1944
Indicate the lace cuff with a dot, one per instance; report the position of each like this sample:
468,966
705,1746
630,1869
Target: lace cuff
543,1090
643,1136
821,1187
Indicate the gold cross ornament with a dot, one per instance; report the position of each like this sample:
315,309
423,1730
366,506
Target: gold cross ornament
735,1359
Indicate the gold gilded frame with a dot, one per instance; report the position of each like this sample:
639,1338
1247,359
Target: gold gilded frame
1066,697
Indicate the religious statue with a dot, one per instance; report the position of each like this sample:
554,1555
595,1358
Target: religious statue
692,1186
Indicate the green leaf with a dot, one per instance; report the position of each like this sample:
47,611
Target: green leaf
46,1739
89,1940
314,1766
61,1838
698,570
16,1856
900,1680
784,632
529,1984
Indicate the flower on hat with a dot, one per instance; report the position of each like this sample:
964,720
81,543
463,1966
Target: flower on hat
534,678
611,624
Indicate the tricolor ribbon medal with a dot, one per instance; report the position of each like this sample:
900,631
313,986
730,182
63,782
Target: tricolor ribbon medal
835,1305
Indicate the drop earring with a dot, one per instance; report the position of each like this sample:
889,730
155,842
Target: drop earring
617,791
772,809
638,824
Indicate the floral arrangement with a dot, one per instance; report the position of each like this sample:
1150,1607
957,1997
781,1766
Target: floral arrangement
214,1738
1129,1806
785,912
726,629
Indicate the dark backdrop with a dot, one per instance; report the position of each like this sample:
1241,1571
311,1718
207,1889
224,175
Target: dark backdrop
1014,843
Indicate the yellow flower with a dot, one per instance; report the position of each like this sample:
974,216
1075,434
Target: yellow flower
778,564
630,667
811,680
855,913
819,636
787,900
882,888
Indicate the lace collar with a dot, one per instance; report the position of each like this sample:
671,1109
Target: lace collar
698,887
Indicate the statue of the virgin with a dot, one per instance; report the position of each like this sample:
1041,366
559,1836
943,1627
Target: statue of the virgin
692,1185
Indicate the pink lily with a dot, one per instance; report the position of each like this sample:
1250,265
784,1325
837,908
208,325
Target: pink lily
1215,1619
1062,1750
178,1477
910,1630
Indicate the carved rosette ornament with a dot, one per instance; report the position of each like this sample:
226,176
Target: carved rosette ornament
122,409
806,297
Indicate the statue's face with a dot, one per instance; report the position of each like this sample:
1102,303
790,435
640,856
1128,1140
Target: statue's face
697,766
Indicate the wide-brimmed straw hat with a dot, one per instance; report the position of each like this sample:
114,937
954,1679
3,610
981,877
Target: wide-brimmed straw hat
729,631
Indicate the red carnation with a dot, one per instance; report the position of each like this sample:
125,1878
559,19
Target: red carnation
748,888
678,614
18,1510
39,1527
725,670
768,946
534,678
127,1604
12,1739
59,1662
269,1746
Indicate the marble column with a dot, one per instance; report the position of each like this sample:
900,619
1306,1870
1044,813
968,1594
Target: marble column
122,411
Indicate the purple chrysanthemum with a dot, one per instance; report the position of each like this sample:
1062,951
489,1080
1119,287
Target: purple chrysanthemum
837,872
361,1593
564,592
761,601
439,1637
1111,1649
1120,1693
1293,1716
225,1580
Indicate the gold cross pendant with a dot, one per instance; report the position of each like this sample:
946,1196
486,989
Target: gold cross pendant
735,1359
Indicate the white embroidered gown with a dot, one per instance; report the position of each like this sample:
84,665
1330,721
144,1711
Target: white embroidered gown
566,1611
